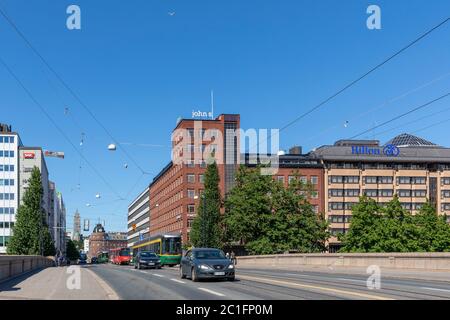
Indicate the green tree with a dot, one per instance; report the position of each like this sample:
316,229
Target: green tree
363,234
71,251
29,232
433,230
206,230
268,218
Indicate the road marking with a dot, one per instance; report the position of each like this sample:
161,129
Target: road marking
352,293
176,280
436,289
158,275
212,292
110,293
354,280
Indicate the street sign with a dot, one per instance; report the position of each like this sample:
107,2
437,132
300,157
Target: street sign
54,154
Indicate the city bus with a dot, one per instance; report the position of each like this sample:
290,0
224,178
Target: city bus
167,246
120,256
103,257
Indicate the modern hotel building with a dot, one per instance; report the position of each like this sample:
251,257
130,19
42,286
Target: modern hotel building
408,166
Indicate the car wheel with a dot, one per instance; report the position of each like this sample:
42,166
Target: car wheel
231,278
135,266
194,275
182,275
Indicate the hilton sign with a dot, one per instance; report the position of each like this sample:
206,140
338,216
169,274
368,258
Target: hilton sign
389,150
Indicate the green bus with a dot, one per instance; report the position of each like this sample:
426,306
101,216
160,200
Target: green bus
103,257
167,246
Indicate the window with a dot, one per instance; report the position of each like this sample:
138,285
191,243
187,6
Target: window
419,193
191,209
201,178
6,196
191,193
419,180
371,192
404,193
446,194
387,192
6,182
445,207
190,178
280,179
336,179
303,179
404,180
314,179
370,180
291,178
385,180
445,181
189,223
314,194
316,208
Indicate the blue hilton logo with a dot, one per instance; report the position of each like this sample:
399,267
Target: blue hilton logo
389,150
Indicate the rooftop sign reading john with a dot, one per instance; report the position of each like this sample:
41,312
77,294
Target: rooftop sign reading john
388,150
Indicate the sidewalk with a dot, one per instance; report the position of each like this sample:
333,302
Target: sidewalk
54,283
338,270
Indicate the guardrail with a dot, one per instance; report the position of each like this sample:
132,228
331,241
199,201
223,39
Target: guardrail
11,266
439,261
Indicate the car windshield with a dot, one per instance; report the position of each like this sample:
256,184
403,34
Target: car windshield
209,254
125,252
148,255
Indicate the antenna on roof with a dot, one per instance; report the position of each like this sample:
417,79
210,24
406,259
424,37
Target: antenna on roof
212,105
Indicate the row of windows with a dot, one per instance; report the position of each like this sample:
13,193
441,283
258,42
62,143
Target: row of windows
7,196
336,231
381,179
343,179
4,241
191,178
340,205
339,218
341,192
399,166
378,193
6,167
7,154
7,210
6,182
6,225
6,139
412,206
378,179
412,193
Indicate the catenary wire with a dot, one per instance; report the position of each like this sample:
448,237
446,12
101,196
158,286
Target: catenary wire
401,115
68,88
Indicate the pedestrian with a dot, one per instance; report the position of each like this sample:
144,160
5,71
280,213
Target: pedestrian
228,255
233,257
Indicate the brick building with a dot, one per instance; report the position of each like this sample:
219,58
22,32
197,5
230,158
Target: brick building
100,241
176,190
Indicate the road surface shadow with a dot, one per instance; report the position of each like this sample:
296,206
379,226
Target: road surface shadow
9,285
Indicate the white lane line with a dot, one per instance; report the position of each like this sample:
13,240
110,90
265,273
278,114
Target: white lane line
158,275
176,280
436,289
212,292
354,280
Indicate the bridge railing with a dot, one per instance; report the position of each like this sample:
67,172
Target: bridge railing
439,261
11,266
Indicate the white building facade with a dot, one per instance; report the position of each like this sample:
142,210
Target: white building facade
9,183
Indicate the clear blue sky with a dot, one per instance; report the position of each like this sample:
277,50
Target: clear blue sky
139,68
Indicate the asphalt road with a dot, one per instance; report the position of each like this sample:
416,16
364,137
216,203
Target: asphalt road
166,283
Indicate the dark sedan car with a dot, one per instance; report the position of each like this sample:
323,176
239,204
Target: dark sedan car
206,263
147,259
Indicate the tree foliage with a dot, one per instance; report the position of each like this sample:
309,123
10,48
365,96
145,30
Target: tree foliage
266,217
72,251
30,233
390,228
205,231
